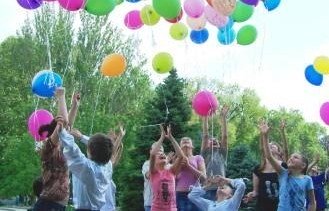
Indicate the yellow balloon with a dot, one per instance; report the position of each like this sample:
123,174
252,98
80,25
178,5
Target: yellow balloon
113,65
149,16
321,64
178,31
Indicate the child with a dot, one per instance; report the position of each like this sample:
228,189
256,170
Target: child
215,153
55,175
162,176
225,198
295,186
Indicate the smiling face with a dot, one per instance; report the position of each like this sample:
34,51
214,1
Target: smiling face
186,142
160,158
297,162
213,142
224,191
275,149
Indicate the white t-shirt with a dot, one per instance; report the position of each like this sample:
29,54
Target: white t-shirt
147,186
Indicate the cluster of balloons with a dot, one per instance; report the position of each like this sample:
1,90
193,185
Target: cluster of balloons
205,103
314,75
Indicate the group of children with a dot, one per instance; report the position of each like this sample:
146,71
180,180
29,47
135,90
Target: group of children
192,183
184,182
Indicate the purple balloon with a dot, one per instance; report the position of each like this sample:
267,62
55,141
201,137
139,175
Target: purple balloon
29,4
205,103
324,113
36,120
251,2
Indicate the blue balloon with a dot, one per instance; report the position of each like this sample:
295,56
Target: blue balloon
132,1
313,76
228,26
199,36
271,4
226,37
45,82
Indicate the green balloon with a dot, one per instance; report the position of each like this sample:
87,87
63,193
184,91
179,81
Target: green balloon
242,12
178,31
246,35
100,7
169,9
149,16
117,2
162,62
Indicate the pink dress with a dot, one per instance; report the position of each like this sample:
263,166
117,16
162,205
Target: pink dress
163,188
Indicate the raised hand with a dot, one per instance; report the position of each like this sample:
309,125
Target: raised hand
168,134
76,133
171,157
76,98
263,127
249,197
282,124
122,131
224,111
59,92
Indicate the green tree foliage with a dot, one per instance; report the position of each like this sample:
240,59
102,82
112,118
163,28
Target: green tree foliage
169,105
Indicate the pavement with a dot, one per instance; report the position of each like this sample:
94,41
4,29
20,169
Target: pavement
13,208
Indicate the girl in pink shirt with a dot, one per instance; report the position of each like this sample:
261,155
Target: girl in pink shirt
163,175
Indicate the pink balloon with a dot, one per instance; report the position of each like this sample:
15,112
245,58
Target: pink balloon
133,20
205,103
324,113
38,118
72,5
194,8
214,17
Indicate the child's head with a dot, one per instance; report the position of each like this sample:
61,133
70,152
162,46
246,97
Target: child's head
37,186
160,158
224,191
186,142
213,142
276,150
100,148
315,170
48,128
298,162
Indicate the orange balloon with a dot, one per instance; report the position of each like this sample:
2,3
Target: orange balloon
113,65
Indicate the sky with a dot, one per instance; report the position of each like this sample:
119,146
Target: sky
289,39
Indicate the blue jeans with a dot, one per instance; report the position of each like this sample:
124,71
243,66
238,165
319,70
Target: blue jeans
211,195
147,208
45,205
183,203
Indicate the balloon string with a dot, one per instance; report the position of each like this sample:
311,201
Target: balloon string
96,103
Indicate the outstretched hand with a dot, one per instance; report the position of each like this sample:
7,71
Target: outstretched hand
76,98
263,127
59,92
224,111
282,124
169,135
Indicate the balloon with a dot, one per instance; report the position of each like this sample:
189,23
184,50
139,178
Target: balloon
209,2
100,7
38,118
246,35
117,2
45,82
313,76
113,65
251,2
324,112
29,4
196,23
214,17
271,4
162,62
149,16
178,18
321,64
194,8
228,25
200,36
72,5
169,9
132,1
224,7
242,12
226,37
204,103
133,20
178,31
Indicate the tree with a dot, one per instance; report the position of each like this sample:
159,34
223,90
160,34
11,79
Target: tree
169,106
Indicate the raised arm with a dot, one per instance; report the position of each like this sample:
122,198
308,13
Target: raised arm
223,122
313,163
75,102
155,149
62,109
118,146
205,134
263,127
284,140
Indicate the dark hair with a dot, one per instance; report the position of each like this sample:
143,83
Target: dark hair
37,186
49,128
100,148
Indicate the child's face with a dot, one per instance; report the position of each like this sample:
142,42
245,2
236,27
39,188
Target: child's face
160,158
224,191
186,142
296,162
213,143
